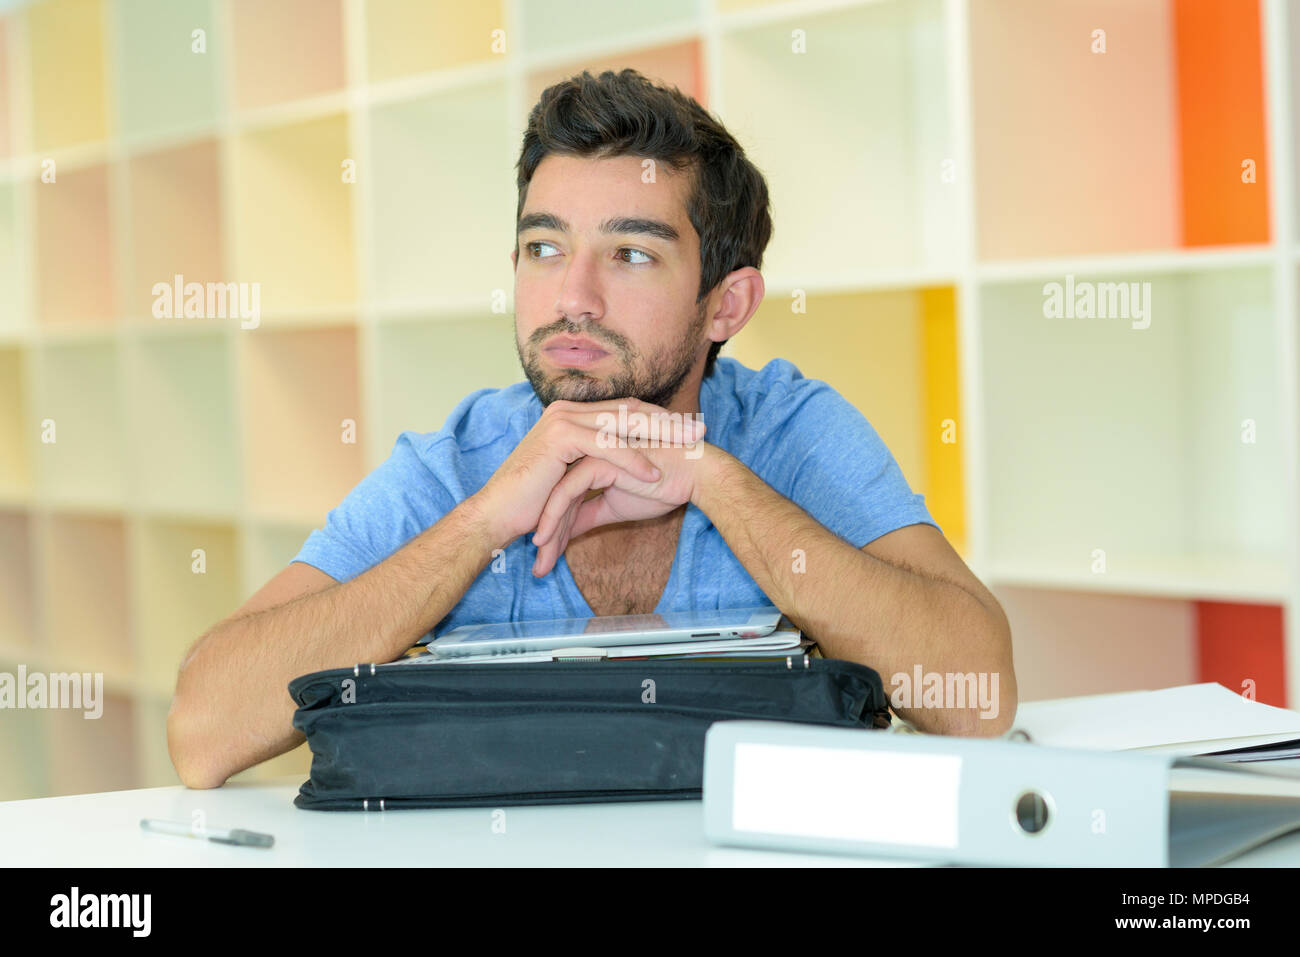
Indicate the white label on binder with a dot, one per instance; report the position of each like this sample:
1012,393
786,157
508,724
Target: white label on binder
881,797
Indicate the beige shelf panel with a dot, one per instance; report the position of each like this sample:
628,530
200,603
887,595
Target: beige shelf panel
443,215
69,95
86,595
79,389
298,388
185,446
426,367
286,50
174,603
6,92
175,222
94,754
74,239
17,582
293,215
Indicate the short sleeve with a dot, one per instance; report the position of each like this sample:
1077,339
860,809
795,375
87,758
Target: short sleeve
390,506
846,477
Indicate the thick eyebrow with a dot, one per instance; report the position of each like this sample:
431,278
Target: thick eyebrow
620,225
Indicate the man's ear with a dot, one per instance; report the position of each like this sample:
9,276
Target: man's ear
737,301
514,258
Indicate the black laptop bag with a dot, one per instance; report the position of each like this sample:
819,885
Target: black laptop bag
404,735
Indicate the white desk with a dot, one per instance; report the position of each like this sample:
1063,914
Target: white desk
103,830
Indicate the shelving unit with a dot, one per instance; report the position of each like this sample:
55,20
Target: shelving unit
933,165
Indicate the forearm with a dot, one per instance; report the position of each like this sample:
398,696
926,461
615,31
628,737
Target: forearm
230,695
858,607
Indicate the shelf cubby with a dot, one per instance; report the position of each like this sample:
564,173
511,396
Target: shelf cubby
79,389
894,361
293,215
184,441
1069,643
552,29
176,228
677,64
864,191
179,595
473,352
267,548
15,272
154,761
286,50
1167,115
165,85
15,427
97,754
298,388
403,39
66,47
442,219
25,748
75,261
87,596
1159,446
6,93
17,582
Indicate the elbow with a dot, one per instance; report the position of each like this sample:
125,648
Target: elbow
189,756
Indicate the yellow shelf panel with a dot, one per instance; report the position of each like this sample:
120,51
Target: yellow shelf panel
443,218
286,50
80,397
404,38
68,72
15,425
179,595
175,210
74,247
87,594
867,347
299,387
293,215
941,418
473,353
17,582
164,82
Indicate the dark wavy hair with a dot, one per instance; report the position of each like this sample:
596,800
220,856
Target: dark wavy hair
622,114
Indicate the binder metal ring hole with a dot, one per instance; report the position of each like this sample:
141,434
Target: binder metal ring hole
1033,812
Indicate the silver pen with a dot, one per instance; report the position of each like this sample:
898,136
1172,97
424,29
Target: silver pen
233,836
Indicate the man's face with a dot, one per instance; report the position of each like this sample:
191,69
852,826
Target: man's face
596,260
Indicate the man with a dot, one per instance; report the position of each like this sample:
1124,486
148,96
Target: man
640,229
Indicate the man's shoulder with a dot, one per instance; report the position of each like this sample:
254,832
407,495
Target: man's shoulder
773,394
485,417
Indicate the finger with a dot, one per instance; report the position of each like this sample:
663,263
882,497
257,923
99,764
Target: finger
614,419
591,514
549,555
586,474
583,442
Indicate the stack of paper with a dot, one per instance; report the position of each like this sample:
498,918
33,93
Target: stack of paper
1202,719
784,641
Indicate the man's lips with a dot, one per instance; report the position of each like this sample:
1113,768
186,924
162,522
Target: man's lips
570,351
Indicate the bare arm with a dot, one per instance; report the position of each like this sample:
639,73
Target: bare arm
231,709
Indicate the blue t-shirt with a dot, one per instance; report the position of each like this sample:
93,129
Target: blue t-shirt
798,435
